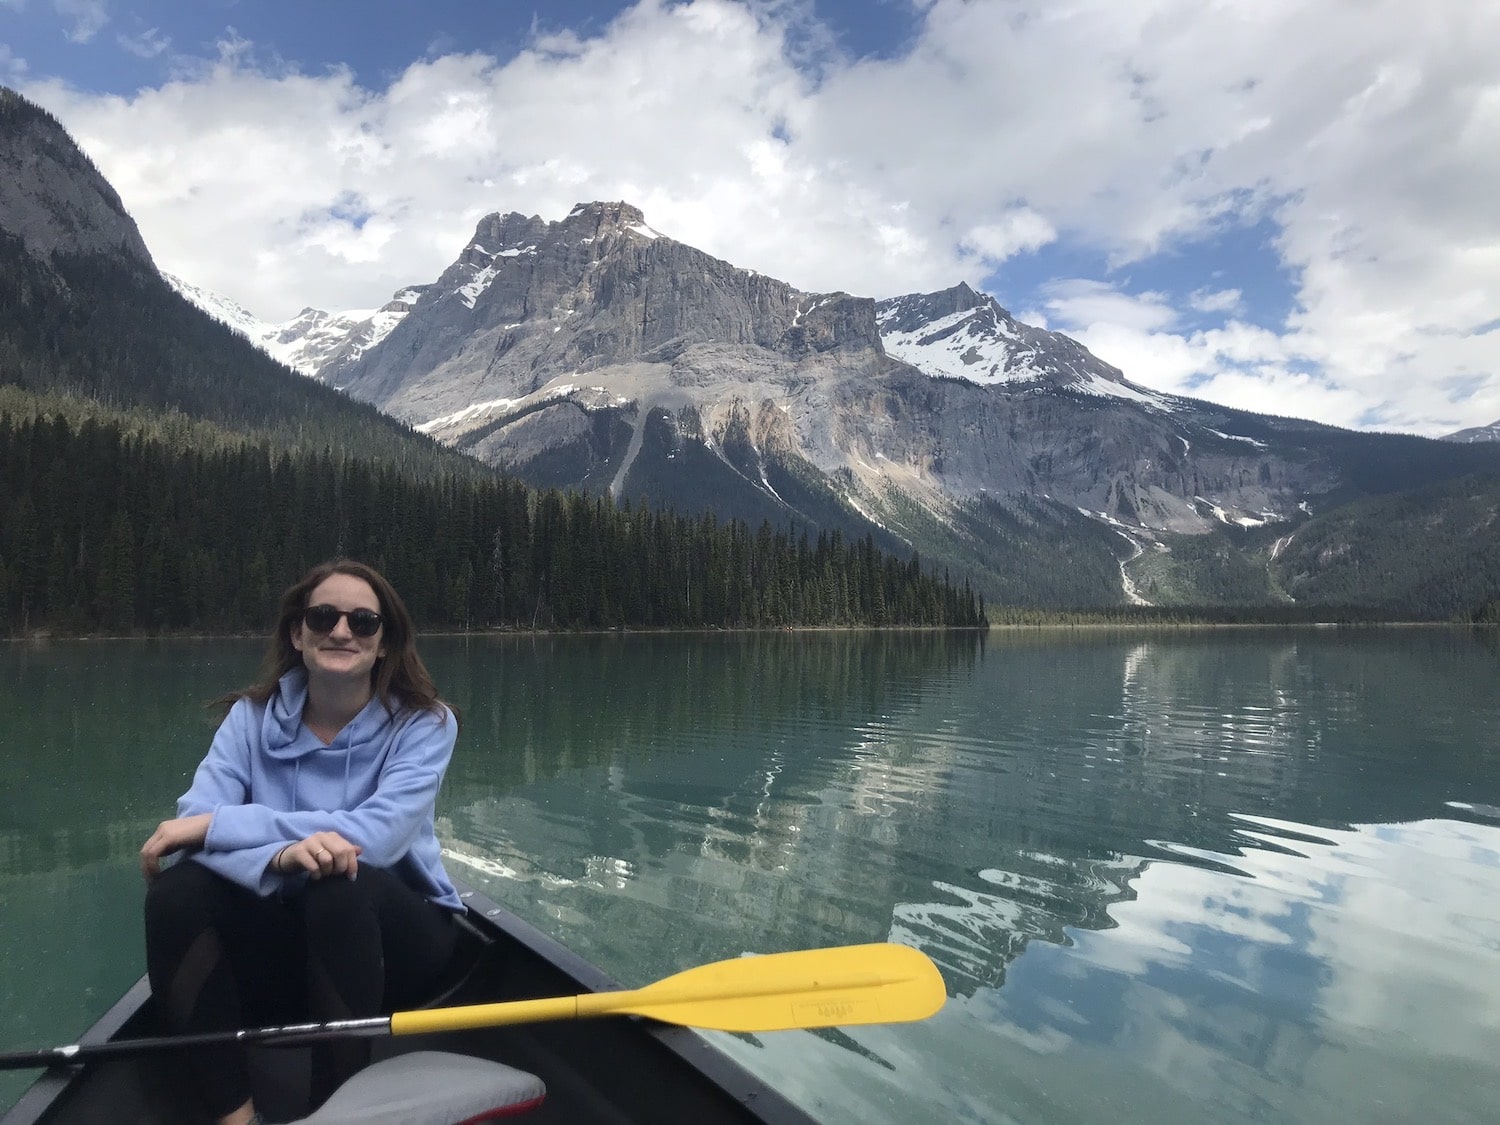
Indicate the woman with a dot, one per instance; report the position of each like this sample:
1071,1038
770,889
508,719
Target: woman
314,885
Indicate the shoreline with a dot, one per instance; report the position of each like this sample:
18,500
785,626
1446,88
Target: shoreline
715,630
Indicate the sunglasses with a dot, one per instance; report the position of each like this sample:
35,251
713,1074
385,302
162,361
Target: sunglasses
323,619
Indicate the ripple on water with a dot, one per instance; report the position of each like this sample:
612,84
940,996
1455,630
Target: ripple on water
1308,975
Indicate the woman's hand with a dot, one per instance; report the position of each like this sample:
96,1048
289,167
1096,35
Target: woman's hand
320,855
172,836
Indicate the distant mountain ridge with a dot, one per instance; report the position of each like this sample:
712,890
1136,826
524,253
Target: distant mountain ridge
529,308
596,352
313,341
1475,433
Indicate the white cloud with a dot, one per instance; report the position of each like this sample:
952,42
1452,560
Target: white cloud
1018,231
1079,304
146,44
1237,364
12,66
1215,300
86,16
1367,133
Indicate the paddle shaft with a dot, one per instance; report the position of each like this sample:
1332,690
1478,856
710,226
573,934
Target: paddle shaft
286,1034
465,1017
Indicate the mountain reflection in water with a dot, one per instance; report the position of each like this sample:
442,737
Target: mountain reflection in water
1210,875
1164,877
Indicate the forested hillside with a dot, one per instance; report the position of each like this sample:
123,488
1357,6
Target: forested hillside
121,526
97,327
1431,553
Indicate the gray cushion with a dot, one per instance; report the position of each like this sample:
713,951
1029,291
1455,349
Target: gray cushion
429,1088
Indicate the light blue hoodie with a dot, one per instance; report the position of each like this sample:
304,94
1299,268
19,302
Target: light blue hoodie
269,782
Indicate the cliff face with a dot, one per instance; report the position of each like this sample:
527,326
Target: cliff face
52,197
527,301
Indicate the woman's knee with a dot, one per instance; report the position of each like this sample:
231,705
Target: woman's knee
335,904
182,895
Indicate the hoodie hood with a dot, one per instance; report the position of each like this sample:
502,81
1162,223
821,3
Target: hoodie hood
286,739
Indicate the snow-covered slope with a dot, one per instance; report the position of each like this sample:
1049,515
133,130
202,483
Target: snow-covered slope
314,342
222,309
959,333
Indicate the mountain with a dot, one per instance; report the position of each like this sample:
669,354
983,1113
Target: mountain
597,352
1475,433
962,334
550,347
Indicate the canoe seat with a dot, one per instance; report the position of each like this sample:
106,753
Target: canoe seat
431,1088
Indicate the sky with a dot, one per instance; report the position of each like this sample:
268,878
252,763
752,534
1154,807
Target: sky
1286,206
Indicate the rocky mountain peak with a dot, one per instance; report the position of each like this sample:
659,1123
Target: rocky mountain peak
918,310
51,195
605,217
960,333
513,234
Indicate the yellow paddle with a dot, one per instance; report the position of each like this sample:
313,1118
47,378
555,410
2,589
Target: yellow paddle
839,987
849,985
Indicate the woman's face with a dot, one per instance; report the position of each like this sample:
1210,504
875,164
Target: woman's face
339,654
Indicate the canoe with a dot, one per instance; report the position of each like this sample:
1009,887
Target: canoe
613,1070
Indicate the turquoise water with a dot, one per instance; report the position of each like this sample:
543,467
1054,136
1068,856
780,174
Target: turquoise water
1210,875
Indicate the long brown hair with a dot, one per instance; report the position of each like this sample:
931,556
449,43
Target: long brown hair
399,678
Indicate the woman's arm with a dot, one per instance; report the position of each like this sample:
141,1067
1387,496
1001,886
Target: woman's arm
383,826
172,836
222,776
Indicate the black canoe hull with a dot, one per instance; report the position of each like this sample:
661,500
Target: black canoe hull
596,1071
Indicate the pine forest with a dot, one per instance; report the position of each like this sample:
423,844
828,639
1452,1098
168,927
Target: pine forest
108,527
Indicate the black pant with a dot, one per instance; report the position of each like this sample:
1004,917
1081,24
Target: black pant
221,957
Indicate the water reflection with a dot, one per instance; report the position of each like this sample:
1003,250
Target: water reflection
1133,860
1211,875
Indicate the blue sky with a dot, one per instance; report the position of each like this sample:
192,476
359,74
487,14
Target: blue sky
1277,205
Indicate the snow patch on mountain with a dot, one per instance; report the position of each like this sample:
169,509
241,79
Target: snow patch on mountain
960,333
468,413
222,309
958,346
1237,437
1227,517
312,339
470,292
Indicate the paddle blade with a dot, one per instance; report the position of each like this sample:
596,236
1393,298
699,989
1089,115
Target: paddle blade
841,987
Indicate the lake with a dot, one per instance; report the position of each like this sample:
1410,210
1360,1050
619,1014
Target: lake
1239,875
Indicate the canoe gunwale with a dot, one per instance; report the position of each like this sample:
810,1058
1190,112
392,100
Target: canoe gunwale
38,1100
